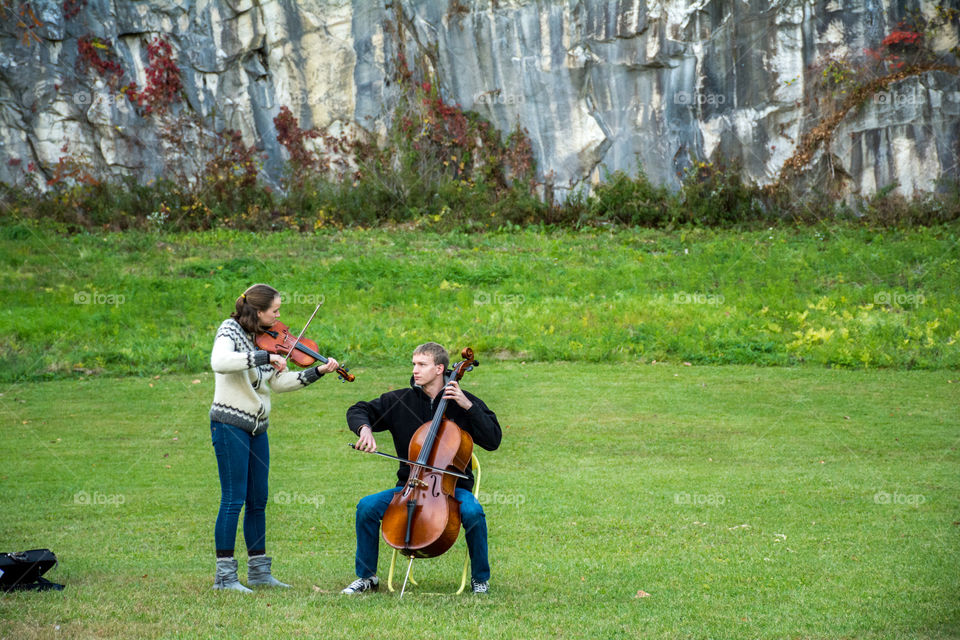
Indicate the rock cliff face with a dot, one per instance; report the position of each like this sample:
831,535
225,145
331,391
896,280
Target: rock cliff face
600,85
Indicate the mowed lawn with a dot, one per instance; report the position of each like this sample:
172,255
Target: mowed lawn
832,295
626,501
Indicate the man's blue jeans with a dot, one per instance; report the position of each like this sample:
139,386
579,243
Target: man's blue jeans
243,461
370,512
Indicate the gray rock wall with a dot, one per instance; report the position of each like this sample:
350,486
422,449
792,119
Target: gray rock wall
600,85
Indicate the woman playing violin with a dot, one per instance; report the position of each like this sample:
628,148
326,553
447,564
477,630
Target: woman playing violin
239,417
402,412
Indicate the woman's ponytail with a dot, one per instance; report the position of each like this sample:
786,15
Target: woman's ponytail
258,297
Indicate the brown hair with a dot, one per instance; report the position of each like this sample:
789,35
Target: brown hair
435,351
258,297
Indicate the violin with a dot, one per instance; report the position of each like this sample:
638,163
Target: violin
423,519
278,339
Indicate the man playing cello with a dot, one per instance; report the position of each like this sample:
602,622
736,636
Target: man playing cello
402,412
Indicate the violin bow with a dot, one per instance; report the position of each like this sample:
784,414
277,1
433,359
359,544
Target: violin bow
302,331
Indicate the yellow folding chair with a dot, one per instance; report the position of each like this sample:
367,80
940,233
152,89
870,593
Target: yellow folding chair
475,465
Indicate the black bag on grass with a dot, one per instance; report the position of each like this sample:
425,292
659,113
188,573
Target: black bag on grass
21,570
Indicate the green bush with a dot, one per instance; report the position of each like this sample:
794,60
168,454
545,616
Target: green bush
407,185
888,209
631,201
712,195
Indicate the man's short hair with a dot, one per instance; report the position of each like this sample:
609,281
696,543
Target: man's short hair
435,351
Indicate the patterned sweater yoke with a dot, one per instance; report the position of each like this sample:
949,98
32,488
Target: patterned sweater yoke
244,378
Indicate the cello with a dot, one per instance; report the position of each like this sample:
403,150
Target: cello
423,519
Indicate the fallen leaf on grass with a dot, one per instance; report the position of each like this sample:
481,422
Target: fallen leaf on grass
642,594
197,381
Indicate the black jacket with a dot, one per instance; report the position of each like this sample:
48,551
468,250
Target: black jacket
401,412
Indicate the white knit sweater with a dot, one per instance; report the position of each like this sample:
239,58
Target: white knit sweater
244,377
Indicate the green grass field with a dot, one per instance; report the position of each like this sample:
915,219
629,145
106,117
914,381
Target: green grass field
747,502
807,488
141,303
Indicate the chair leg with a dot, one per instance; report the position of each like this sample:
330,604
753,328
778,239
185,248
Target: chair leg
393,563
475,463
463,578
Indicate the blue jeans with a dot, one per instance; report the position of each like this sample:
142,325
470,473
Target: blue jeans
370,512
243,461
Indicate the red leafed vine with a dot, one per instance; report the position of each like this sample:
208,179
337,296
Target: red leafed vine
98,54
72,8
293,138
902,53
163,78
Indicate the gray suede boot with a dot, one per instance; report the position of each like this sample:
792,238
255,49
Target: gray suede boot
226,577
258,572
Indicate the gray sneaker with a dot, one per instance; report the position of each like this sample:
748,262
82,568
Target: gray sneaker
480,587
362,584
